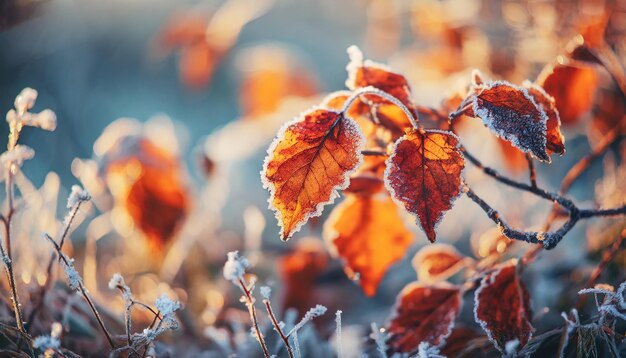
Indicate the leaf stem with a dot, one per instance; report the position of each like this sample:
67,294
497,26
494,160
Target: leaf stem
375,91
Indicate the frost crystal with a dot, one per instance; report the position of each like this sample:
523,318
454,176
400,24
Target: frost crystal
77,195
167,306
17,156
72,275
26,99
266,292
235,267
18,117
425,350
316,311
117,281
46,342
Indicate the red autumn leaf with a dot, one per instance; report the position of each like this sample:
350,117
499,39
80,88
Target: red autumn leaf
370,235
554,138
424,175
438,262
311,158
572,87
502,307
423,313
148,184
512,114
465,342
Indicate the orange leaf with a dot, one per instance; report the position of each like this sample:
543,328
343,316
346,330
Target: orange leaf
512,114
424,313
370,235
359,111
424,175
438,262
311,158
554,138
364,73
152,192
572,87
502,307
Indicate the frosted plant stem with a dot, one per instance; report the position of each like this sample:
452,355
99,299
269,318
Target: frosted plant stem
296,345
276,325
382,94
83,292
44,289
338,334
6,251
253,317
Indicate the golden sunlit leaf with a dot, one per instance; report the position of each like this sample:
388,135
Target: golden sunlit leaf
424,175
370,235
438,262
311,158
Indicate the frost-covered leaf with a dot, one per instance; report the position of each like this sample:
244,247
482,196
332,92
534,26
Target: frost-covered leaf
311,158
502,307
424,175
423,313
554,138
364,73
512,114
572,87
370,235
438,262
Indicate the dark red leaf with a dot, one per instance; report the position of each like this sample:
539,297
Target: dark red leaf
423,313
424,175
502,307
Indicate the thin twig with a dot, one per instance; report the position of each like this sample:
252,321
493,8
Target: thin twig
374,153
84,292
44,289
607,257
253,317
548,239
276,325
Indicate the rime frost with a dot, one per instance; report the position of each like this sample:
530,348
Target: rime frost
266,292
235,267
77,195
20,116
166,305
316,311
17,156
46,342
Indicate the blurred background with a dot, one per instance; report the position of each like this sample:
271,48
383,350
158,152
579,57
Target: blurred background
204,87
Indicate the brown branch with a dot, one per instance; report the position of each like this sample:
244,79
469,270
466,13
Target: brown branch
253,317
284,338
549,239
